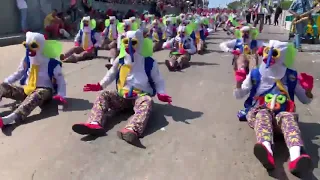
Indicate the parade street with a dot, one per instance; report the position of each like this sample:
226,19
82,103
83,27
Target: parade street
198,137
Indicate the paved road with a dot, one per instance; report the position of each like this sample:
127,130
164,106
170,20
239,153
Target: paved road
197,138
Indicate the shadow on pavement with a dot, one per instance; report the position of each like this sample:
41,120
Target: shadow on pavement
157,119
196,63
310,131
47,110
75,104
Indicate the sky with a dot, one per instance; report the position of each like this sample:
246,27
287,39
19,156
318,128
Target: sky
216,3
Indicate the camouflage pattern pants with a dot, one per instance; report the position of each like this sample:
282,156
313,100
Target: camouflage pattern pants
76,54
29,103
181,60
109,103
157,46
262,121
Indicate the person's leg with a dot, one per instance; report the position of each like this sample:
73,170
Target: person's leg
12,92
255,21
137,122
73,50
299,31
35,99
85,55
262,123
23,14
183,61
266,20
275,20
53,29
261,22
172,63
105,44
106,105
300,164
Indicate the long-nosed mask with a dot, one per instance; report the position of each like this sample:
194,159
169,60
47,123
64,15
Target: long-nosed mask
132,42
34,46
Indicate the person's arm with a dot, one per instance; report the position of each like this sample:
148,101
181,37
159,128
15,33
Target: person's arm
111,74
243,89
77,39
293,9
158,79
302,95
58,75
193,48
228,46
168,43
98,38
17,75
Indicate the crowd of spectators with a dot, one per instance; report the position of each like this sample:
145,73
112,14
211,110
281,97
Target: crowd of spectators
164,3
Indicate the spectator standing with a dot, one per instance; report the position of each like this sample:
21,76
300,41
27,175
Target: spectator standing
248,15
297,8
277,15
54,25
23,8
269,11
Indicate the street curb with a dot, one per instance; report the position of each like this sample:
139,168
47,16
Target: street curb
12,40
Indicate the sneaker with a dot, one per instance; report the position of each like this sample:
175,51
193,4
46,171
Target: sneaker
62,57
108,66
89,129
170,68
301,166
1,123
128,135
264,156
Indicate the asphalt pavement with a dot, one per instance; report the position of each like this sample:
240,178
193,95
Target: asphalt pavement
198,137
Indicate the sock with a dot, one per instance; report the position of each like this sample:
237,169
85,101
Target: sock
268,146
9,119
94,122
294,152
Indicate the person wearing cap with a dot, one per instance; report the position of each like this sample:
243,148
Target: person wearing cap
110,36
182,47
271,90
137,80
156,34
40,76
86,43
127,27
169,29
245,43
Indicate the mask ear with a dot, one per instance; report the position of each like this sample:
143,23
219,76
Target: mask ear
290,106
260,100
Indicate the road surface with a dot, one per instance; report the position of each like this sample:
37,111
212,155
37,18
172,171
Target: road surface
197,138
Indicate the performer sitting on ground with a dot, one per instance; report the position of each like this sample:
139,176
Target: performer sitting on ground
134,89
110,35
86,43
245,43
270,106
182,47
41,77
122,29
156,34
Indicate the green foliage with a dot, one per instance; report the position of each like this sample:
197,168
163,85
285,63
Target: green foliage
285,5
234,5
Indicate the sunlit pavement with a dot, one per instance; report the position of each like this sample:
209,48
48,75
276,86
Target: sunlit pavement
197,138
